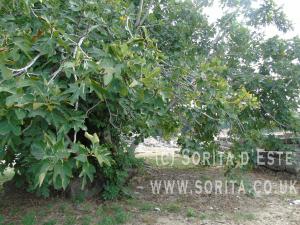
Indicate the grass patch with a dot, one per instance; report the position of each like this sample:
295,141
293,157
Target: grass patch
210,215
146,206
50,222
172,207
191,212
107,221
70,220
112,214
100,211
86,220
203,216
29,219
143,206
243,216
2,219
122,217
119,216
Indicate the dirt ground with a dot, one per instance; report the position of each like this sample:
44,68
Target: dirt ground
143,207
261,209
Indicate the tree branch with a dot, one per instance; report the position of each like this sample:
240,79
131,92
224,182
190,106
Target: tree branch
147,13
92,108
110,116
54,75
127,27
78,46
139,15
18,72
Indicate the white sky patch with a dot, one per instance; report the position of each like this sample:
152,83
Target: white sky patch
290,7
292,10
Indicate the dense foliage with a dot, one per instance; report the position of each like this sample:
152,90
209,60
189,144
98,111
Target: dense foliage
80,78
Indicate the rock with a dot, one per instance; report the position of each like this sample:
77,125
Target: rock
157,209
151,142
280,163
295,202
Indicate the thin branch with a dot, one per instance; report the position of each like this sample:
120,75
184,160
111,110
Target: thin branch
34,13
147,13
203,113
80,42
273,118
54,75
28,127
110,115
78,46
139,15
68,138
127,27
92,108
76,108
171,104
18,72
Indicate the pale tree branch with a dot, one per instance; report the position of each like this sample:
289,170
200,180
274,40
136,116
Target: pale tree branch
18,72
54,75
147,13
127,27
92,108
78,47
139,15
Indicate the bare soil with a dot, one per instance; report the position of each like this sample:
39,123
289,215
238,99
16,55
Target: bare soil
146,208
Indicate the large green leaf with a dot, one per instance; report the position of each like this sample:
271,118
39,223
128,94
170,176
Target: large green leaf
102,155
45,167
62,172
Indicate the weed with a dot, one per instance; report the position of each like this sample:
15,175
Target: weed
172,207
13,212
107,221
1,220
146,206
100,211
63,207
141,205
29,219
50,222
242,216
70,220
113,214
122,217
86,220
115,207
203,216
191,212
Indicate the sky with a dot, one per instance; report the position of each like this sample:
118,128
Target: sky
292,10
290,7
